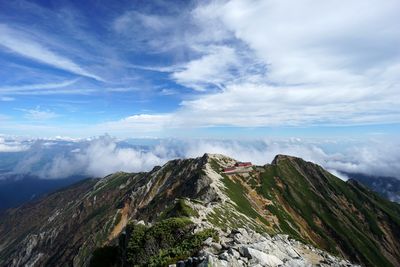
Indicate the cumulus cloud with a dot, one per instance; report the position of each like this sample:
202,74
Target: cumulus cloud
104,155
376,158
95,158
251,63
279,63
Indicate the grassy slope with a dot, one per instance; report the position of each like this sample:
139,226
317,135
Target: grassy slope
331,208
316,207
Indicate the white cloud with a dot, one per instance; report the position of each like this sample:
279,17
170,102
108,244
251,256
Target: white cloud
41,89
213,68
33,87
104,155
181,31
100,157
38,114
253,104
140,123
308,42
167,92
279,63
374,157
160,33
12,145
340,175
26,46
317,72
270,63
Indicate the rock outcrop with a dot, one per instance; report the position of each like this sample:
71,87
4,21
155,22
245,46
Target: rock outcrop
243,247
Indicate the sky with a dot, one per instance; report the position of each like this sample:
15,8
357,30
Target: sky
200,69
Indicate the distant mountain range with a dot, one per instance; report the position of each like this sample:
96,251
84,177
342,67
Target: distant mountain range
388,187
17,189
287,213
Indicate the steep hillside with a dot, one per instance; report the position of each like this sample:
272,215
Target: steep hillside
388,187
311,204
169,213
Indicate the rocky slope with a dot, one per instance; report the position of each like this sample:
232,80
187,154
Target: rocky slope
130,219
243,247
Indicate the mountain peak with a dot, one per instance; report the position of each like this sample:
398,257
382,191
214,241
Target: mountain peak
281,157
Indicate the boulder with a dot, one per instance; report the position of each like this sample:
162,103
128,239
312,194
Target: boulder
262,258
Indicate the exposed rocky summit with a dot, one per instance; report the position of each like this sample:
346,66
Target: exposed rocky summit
189,213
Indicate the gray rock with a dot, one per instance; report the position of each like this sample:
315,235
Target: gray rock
216,246
291,252
234,253
262,258
262,246
208,241
224,256
297,263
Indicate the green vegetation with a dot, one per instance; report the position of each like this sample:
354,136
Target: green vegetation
179,209
214,165
338,216
114,181
317,196
236,192
286,222
228,216
165,242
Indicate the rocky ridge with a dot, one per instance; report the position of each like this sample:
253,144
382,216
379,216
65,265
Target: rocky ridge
253,213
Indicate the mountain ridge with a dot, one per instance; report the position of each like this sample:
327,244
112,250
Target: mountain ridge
282,197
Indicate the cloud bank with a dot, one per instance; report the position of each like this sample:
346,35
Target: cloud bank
104,155
11,145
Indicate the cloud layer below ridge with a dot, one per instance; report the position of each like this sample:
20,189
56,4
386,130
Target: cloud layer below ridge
104,155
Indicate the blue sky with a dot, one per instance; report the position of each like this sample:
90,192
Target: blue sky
200,68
